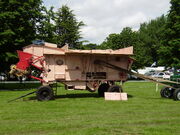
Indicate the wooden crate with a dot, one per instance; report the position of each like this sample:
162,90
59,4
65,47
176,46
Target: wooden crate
115,96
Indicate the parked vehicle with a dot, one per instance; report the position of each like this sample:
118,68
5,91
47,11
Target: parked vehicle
163,75
150,73
176,76
3,77
151,69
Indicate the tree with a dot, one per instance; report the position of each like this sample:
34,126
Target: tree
170,50
126,38
67,28
111,42
89,46
151,35
46,26
17,28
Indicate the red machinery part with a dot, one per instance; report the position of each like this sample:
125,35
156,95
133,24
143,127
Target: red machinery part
39,79
24,60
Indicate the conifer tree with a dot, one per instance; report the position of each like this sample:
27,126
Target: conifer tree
67,28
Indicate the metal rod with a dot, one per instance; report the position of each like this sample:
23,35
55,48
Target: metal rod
152,79
22,96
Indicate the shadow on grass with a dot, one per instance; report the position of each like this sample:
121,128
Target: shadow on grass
130,96
79,95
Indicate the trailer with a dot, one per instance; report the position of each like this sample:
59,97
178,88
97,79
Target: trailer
81,70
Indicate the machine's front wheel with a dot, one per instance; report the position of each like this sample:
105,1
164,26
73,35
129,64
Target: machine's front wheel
166,92
103,88
176,94
44,93
115,88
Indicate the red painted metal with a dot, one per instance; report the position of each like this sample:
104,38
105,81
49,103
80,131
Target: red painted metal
37,59
24,60
40,68
36,78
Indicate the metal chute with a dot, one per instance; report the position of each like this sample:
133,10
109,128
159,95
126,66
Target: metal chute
26,61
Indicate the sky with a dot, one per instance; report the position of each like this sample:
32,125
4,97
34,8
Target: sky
103,17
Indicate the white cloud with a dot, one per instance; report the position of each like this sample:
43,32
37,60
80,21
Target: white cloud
103,17
134,20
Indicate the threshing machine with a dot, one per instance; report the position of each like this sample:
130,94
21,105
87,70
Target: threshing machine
77,69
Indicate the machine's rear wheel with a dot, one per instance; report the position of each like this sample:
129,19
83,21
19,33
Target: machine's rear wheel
44,93
176,94
103,88
166,92
115,88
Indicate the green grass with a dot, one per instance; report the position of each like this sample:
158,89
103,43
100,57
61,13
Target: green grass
84,113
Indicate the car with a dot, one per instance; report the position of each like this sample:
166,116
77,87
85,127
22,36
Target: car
150,73
163,75
132,77
3,77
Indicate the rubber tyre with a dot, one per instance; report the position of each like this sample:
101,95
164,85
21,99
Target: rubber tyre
103,88
115,88
44,93
166,92
176,94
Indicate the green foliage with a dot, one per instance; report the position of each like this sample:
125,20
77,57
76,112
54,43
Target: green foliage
170,50
46,27
67,28
89,46
146,41
151,36
23,21
127,38
60,27
115,41
111,42
17,28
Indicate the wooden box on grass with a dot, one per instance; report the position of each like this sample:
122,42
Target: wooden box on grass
115,96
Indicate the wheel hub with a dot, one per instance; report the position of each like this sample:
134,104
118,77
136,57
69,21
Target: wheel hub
167,93
45,94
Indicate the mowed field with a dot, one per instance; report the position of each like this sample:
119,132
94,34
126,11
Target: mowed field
84,113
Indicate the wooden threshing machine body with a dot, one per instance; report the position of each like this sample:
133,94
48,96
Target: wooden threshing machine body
77,68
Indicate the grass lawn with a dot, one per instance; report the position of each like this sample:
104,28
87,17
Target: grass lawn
84,113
